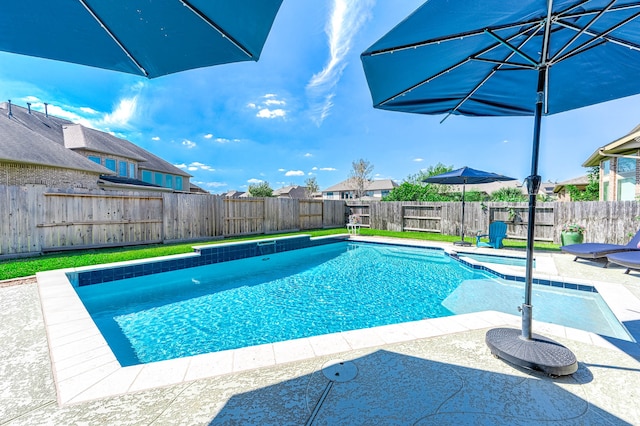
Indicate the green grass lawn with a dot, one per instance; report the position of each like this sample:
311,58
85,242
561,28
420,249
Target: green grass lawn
24,267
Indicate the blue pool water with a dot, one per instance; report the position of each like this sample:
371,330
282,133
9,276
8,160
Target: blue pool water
500,260
301,293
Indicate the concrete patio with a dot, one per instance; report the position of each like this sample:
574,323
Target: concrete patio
439,372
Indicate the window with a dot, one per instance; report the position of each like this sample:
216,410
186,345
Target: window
146,176
110,164
122,168
626,179
157,178
168,181
385,192
606,167
605,191
95,159
132,170
178,183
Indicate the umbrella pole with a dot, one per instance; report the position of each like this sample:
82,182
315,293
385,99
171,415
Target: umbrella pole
533,185
523,348
462,242
462,219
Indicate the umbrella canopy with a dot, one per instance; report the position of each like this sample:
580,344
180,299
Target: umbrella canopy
466,175
463,176
509,58
150,38
483,58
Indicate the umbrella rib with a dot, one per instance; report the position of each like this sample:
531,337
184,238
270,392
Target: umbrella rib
509,46
597,37
514,51
216,27
582,31
612,40
114,38
454,66
529,24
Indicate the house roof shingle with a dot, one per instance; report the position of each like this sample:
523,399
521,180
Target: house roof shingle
19,143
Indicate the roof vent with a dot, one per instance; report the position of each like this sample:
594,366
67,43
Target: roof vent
46,113
29,107
10,114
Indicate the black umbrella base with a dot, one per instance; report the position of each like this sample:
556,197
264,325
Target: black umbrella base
462,243
538,353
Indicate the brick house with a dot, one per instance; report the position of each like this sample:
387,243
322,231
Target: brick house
37,148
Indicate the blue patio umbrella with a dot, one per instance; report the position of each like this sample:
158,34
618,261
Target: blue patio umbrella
150,38
464,176
510,58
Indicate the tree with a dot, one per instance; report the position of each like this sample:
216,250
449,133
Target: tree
312,186
262,189
591,191
360,177
513,195
413,188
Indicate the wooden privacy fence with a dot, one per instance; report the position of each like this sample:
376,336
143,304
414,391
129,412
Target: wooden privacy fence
605,221
34,219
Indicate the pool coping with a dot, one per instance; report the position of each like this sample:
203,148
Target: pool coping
85,368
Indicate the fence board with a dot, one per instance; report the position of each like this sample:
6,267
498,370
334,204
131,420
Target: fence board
36,220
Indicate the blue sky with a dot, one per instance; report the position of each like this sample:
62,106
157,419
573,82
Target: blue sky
303,110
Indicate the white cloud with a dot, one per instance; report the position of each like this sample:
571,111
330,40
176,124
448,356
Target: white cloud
155,138
253,180
210,184
294,173
194,166
328,169
225,140
314,168
274,102
123,112
282,170
208,136
345,20
269,113
88,110
418,160
264,107
188,144
308,154
505,141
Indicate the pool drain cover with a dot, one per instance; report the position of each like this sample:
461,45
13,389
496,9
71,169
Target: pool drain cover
338,370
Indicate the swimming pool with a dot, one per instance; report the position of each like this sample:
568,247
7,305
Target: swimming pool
300,293
496,259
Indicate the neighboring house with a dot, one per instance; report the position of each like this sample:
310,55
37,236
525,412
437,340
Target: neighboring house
560,189
36,148
619,167
232,194
375,190
292,191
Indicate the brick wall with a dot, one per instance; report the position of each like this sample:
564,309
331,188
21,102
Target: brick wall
12,174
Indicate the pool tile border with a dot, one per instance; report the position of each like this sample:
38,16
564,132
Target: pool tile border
203,255
85,368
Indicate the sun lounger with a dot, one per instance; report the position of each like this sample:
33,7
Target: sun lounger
601,250
628,259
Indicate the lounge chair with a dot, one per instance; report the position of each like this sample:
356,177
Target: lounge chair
628,259
600,250
497,233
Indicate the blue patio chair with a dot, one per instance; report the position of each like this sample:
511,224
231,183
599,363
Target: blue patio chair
497,233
